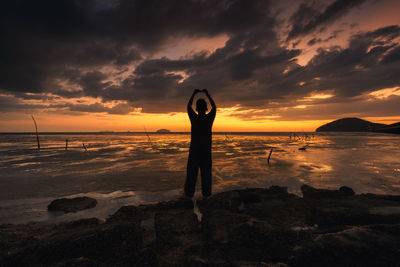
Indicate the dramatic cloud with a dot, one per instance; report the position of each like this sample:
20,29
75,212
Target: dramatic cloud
53,46
120,108
309,17
358,107
359,68
114,52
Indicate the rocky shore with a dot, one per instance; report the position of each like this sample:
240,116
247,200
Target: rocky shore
250,227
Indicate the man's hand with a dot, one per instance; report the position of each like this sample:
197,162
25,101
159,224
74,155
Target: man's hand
214,108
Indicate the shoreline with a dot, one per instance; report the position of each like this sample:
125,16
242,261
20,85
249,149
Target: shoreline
247,227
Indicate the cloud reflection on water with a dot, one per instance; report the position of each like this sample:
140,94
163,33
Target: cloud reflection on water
366,162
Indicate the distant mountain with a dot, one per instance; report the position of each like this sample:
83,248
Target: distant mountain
391,128
350,125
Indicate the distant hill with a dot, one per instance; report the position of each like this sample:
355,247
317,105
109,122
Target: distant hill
391,128
350,125
163,131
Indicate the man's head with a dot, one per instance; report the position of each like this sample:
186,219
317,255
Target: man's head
201,106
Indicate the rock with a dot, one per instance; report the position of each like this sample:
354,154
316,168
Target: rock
195,261
171,227
382,197
166,205
237,199
226,200
355,246
258,264
249,227
353,211
346,191
72,204
101,246
252,224
83,223
126,213
311,192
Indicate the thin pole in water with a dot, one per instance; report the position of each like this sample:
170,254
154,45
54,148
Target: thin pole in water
66,144
269,156
148,136
37,134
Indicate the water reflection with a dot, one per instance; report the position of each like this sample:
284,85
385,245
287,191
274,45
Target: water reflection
129,162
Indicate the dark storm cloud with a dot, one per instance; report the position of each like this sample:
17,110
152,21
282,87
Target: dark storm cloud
310,17
46,38
317,40
228,71
313,41
119,109
251,72
393,56
12,103
362,67
8,103
355,107
72,49
92,84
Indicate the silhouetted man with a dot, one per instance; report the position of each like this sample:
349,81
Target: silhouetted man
200,145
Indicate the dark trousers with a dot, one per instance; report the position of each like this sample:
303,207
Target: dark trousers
198,159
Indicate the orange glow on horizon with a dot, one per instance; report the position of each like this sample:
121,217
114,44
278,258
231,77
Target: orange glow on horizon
232,119
178,122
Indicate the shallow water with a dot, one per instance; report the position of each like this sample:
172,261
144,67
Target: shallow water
132,168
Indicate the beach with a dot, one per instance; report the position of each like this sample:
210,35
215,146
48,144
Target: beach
134,168
326,199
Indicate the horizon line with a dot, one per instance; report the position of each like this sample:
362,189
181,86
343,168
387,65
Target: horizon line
112,132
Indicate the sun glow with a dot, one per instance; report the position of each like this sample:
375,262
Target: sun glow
385,93
227,120
301,106
317,96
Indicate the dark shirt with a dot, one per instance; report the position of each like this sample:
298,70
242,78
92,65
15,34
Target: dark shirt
201,130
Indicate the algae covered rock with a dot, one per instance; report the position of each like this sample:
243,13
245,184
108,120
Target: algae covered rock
311,192
247,227
72,204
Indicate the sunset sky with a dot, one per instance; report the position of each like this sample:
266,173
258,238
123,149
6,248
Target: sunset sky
109,65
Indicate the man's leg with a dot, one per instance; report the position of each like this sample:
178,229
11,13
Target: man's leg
205,168
191,174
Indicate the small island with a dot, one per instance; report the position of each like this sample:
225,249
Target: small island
358,125
163,131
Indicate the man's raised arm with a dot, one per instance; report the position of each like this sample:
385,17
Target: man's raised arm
190,110
213,106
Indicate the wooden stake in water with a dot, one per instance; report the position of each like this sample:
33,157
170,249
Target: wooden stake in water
37,134
148,136
66,144
227,137
304,147
269,156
